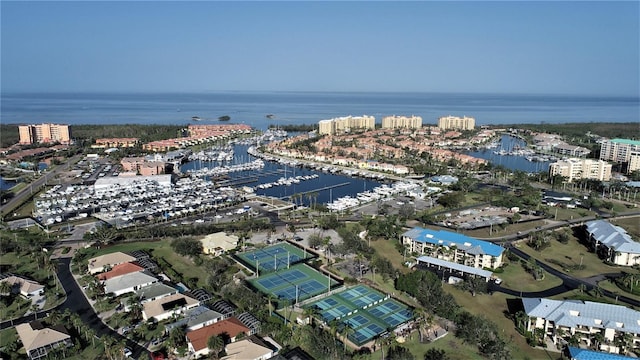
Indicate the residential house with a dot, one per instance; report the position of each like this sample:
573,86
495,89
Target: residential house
24,287
155,291
588,321
197,339
119,270
218,243
165,307
247,350
38,340
196,318
127,283
105,262
453,247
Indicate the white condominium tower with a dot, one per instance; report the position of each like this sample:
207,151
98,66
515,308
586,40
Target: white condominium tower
395,122
346,124
456,123
622,151
581,169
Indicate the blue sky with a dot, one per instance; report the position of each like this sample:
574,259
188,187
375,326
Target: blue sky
486,47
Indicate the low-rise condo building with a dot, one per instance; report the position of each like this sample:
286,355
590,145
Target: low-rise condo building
588,321
402,122
575,169
345,124
454,122
612,243
453,247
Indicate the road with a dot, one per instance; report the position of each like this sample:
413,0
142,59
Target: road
23,194
77,303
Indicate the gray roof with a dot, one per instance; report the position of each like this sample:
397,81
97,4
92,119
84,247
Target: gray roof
196,316
612,236
127,281
571,313
155,290
455,266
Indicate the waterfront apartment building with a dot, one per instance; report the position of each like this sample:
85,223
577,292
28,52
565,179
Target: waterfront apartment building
345,124
621,151
402,122
453,247
585,320
44,133
575,169
457,123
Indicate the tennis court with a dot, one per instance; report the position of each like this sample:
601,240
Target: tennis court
274,257
297,283
365,310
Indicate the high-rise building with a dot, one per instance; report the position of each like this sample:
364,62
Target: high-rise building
581,169
346,124
395,122
456,123
44,133
622,151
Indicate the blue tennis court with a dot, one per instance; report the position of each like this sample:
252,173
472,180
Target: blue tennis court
297,283
274,257
365,310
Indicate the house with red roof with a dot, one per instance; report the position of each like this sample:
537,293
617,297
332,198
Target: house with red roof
119,270
197,339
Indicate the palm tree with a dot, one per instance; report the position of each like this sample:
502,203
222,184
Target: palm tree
135,308
5,288
597,339
34,308
52,268
624,341
55,316
215,345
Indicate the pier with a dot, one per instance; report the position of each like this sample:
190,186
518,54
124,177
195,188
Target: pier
318,189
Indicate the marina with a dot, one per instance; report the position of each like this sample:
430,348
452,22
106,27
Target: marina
512,153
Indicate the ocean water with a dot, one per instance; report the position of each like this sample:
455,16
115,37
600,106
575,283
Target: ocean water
308,107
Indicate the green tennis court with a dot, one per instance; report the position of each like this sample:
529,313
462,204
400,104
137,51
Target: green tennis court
366,311
274,257
297,283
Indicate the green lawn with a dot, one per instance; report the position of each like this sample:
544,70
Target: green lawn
630,224
387,249
455,348
566,257
517,278
615,289
159,249
493,308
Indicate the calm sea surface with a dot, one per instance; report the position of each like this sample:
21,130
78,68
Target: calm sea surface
308,107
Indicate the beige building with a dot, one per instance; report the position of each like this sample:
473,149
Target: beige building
345,124
39,340
576,169
454,122
165,307
105,262
44,133
400,122
218,243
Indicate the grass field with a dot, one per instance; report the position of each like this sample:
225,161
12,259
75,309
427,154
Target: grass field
493,307
159,249
387,248
515,277
631,225
568,257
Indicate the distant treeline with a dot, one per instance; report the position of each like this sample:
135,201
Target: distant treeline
145,133
88,133
629,130
295,128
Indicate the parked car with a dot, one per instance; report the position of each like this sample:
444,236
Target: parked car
127,352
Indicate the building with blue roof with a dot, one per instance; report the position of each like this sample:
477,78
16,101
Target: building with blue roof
564,319
585,354
453,247
612,243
